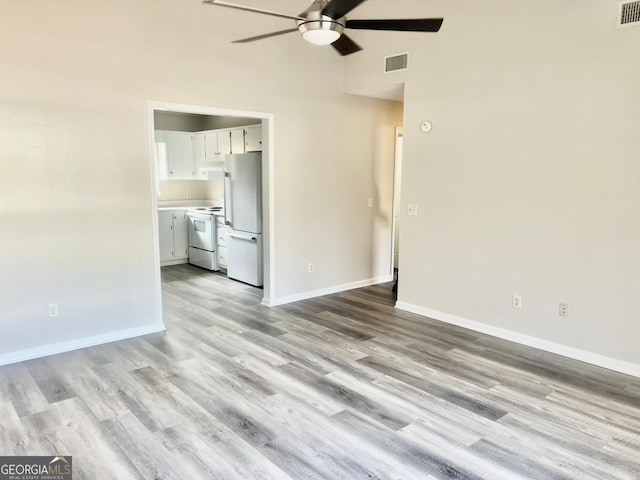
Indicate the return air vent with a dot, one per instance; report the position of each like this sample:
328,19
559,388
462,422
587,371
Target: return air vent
628,14
396,63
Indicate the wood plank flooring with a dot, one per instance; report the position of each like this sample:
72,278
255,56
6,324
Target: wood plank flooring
338,387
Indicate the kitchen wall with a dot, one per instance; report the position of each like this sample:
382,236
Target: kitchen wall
528,183
189,122
76,205
211,122
177,121
199,190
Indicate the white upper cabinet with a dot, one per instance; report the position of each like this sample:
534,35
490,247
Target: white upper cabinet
199,155
230,140
211,146
181,154
253,138
237,140
179,148
224,142
199,147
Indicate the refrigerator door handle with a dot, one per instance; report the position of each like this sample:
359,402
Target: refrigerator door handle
243,237
228,208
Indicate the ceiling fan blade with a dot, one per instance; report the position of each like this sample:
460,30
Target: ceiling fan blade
339,8
401,25
345,46
266,35
222,3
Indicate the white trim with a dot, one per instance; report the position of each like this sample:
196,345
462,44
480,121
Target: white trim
154,215
397,188
552,347
61,347
268,187
269,199
325,291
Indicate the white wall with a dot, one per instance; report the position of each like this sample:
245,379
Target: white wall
528,183
75,191
333,227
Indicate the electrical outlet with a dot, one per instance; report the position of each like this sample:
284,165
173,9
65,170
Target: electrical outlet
564,310
516,302
187,194
370,202
312,267
412,210
53,309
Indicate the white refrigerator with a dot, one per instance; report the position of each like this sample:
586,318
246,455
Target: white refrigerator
243,214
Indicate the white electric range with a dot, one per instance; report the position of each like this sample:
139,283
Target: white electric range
203,236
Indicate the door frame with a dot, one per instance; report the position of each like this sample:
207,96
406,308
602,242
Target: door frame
268,189
397,190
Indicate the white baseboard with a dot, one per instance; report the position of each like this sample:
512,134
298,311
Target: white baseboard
570,352
52,349
176,261
325,291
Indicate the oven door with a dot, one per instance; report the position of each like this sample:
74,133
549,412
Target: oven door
202,231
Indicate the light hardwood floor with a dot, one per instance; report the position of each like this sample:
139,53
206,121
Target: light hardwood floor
339,387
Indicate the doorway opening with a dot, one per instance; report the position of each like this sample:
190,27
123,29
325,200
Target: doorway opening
181,185
395,224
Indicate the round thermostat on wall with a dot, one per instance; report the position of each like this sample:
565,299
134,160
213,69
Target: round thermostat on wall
426,126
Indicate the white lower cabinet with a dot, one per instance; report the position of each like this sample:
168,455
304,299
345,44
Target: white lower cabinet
166,240
222,257
181,234
174,236
222,232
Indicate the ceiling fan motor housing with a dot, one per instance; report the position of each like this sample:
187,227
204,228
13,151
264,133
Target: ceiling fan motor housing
315,21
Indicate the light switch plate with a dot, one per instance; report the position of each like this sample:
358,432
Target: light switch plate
412,210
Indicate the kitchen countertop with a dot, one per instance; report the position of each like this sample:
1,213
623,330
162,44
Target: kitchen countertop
190,207
185,204
162,209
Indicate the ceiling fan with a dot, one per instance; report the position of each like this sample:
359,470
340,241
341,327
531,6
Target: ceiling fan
323,23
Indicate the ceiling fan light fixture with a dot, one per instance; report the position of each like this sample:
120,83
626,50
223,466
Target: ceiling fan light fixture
321,37
320,29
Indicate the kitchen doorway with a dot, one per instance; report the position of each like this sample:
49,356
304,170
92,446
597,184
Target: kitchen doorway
397,185
163,114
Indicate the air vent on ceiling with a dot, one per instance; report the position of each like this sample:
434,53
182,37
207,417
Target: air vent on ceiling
396,63
628,14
